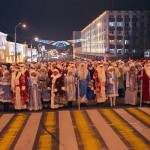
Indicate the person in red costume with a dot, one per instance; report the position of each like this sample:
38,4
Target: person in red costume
145,77
20,93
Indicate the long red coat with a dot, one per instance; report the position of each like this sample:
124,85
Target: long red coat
145,88
23,82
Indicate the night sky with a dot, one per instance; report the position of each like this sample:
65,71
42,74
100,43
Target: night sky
56,19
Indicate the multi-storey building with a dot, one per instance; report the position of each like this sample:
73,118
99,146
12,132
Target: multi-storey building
116,34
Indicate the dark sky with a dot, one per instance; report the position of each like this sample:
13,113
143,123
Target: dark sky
56,19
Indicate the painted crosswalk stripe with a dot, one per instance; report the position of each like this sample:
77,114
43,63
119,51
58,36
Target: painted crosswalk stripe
140,127
145,109
48,133
26,140
66,132
89,139
144,118
4,119
9,135
124,131
106,131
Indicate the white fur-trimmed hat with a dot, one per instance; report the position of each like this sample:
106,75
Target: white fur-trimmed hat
110,67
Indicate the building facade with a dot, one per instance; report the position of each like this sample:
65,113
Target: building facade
116,34
7,50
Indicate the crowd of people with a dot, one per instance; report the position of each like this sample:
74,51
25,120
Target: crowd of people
34,86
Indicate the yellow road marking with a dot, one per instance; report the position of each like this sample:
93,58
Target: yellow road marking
45,141
89,140
10,134
127,133
140,115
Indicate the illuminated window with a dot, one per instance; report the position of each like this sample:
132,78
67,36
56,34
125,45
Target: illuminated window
111,32
111,41
119,24
119,41
111,24
111,51
126,42
126,50
118,51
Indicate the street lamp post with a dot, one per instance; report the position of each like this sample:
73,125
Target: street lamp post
16,40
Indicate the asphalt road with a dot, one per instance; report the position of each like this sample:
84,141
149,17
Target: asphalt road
87,129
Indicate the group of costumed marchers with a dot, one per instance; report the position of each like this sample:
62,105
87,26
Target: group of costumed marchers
34,86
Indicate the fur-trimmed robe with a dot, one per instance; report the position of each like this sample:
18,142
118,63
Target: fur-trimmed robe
131,88
145,86
57,91
99,85
20,90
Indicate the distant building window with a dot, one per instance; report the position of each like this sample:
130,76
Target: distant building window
142,16
126,16
126,42
134,16
118,51
119,24
111,41
111,51
142,24
111,32
126,33
111,16
111,24
118,16
133,51
126,24
119,41
119,32
134,24
126,51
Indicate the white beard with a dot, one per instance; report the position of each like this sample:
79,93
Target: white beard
82,73
147,70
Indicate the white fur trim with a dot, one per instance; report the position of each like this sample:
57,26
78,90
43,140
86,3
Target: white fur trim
63,88
48,88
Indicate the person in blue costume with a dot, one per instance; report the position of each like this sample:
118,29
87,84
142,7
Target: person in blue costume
111,85
34,89
5,90
84,78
